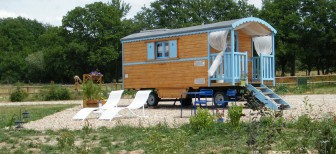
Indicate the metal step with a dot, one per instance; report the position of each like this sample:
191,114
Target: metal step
268,97
267,93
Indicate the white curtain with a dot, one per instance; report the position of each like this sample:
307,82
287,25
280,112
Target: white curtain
218,42
263,44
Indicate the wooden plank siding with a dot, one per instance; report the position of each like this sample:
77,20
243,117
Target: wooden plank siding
167,77
245,45
173,78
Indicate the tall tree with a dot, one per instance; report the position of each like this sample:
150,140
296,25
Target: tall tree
18,39
184,13
99,26
284,16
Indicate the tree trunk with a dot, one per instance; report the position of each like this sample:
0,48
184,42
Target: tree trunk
283,69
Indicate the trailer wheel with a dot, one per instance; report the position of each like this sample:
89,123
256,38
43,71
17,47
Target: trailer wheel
219,96
153,99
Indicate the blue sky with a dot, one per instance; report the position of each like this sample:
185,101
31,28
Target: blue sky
52,11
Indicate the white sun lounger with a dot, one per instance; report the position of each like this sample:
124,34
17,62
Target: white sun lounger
138,102
111,102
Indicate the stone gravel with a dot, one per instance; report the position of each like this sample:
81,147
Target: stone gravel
166,113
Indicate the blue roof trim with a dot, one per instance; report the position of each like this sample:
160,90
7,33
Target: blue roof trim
253,19
165,61
174,35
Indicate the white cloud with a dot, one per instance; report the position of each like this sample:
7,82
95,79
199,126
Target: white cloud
136,6
6,14
256,3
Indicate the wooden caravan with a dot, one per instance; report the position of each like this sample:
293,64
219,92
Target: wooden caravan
217,56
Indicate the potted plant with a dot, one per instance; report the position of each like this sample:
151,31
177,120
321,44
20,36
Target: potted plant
91,94
243,79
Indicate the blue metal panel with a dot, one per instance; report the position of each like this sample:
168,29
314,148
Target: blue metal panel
150,51
165,61
173,49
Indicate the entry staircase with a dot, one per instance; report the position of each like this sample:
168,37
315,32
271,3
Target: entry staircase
268,97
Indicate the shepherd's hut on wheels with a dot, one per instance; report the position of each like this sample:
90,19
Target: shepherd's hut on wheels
214,56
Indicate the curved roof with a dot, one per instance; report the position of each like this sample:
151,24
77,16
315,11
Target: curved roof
251,25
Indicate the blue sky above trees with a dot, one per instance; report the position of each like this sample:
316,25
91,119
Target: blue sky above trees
52,11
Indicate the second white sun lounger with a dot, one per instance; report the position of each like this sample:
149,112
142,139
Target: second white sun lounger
138,102
111,102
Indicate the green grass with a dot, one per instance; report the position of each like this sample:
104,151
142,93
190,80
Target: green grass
8,114
321,88
162,139
258,134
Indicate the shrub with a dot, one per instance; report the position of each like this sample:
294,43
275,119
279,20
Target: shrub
18,95
54,92
235,113
204,120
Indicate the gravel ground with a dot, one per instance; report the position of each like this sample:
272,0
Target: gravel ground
165,112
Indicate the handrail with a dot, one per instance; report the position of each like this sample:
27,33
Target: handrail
224,71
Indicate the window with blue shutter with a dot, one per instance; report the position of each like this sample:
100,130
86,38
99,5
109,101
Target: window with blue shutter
150,51
162,50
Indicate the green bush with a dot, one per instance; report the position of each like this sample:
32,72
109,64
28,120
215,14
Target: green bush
18,95
54,92
203,120
235,113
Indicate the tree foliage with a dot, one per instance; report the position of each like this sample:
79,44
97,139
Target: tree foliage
184,13
89,37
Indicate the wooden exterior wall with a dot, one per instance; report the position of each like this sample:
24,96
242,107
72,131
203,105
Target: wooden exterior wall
166,76
245,45
173,78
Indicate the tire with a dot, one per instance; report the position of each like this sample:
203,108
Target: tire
220,96
153,99
186,101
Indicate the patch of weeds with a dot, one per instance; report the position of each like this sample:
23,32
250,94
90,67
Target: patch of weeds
326,137
300,89
305,130
169,141
281,89
66,140
11,122
202,121
265,128
87,128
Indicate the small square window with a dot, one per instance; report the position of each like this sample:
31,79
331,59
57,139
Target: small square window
162,50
